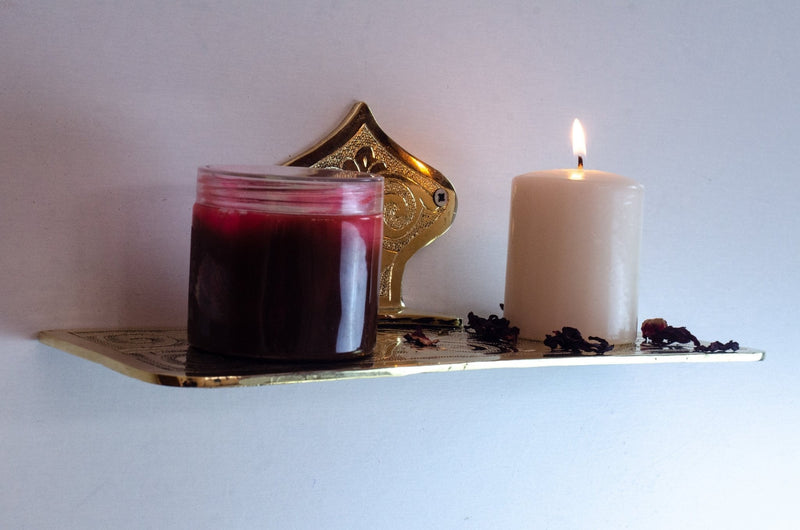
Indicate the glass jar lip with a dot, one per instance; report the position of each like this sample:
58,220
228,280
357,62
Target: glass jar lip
290,190
290,173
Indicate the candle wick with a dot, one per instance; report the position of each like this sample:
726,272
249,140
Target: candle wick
580,162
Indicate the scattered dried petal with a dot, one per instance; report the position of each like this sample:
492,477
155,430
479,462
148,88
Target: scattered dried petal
492,329
418,339
570,339
659,333
717,346
652,327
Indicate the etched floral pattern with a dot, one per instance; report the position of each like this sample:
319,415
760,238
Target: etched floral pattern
364,161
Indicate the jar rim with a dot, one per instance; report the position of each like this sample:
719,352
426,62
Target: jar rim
290,190
270,172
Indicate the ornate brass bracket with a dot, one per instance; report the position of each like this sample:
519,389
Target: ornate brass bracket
419,202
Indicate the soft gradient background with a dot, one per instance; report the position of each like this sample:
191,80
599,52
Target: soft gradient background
106,110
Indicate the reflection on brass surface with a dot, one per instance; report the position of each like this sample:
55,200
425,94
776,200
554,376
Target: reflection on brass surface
419,202
163,356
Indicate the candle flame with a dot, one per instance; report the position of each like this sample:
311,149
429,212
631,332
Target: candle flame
578,141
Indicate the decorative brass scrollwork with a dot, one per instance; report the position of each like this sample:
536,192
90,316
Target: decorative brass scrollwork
419,202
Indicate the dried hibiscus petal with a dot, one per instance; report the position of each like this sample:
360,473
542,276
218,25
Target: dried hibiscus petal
492,329
659,333
418,339
570,339
717,346
652,327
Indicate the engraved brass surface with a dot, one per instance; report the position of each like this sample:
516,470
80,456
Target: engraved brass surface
419,202
162,356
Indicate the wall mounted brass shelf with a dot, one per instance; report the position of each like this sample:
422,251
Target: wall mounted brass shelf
162,356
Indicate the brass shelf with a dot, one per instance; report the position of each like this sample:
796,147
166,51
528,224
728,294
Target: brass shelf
162,356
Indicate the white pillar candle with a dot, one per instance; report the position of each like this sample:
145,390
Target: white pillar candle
573,253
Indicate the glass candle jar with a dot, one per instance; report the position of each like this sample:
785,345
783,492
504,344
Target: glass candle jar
285,262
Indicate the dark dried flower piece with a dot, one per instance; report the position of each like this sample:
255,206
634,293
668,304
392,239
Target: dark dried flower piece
652,327
492,329
717,346
418,339
659,333
570,339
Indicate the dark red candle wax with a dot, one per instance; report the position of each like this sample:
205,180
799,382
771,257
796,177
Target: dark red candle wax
283,286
